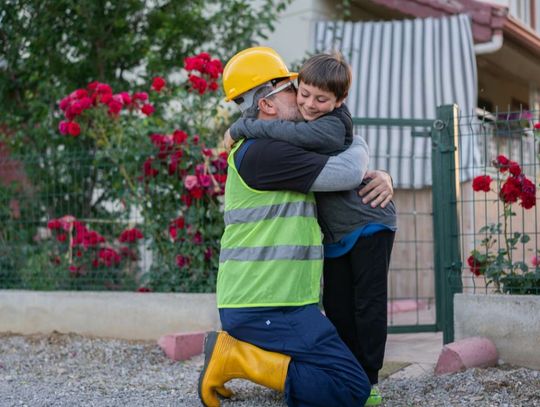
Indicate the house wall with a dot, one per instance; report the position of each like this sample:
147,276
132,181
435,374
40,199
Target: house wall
500,92
294,29
411,267
293,35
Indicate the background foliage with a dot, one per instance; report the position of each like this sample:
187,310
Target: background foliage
48,49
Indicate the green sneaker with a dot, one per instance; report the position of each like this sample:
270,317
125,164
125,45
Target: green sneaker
375,398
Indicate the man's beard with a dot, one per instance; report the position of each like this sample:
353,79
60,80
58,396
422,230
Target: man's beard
291,113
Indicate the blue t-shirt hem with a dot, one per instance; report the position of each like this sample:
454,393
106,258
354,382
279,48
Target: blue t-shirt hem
342,247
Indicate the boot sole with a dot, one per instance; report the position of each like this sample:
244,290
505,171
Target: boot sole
209,345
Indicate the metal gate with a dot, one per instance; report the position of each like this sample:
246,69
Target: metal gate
425,270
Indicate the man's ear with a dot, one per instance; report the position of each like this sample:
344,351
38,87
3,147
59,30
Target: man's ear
267,107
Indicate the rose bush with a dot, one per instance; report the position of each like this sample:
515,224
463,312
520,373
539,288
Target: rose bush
152,184
496,261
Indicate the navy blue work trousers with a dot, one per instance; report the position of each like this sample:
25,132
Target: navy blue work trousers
322,372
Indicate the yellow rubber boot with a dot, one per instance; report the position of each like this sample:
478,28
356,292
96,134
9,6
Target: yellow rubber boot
228,358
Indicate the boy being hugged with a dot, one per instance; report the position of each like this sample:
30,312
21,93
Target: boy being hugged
358,238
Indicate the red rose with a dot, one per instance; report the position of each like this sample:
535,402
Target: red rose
199,84
147,109
475,266
196,193
149,172
63,127
528,193
54,224
207,151
114,107
109,256
511,190
144,290
182,261
197,238
527,187
514,168
130,235
126,99
64,103
528,201
142,96
80,93
481,183
501,162
158,83
179,136
105,98
74,129
208,254
73,269
178,223
205,56
103,88
193,64
175,160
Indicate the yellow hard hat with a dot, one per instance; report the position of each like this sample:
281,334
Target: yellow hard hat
252,67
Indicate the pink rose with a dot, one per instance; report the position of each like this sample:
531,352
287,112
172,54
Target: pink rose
63,127
190,182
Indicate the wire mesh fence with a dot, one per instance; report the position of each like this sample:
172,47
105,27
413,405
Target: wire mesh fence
404,150
151,220
112,220
498,211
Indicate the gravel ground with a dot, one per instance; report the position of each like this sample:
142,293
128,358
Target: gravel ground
71,370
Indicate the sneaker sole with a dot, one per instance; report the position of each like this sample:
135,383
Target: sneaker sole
209,345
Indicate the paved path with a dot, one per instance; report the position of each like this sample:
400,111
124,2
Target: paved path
420,349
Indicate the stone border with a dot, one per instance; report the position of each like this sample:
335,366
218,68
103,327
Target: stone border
511,321
125,315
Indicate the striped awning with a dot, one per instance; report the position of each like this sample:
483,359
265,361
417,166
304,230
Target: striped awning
405,69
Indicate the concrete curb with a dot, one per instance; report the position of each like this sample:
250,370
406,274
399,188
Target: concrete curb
182,346
466,353
510,321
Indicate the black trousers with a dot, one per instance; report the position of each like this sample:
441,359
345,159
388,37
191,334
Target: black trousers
355,295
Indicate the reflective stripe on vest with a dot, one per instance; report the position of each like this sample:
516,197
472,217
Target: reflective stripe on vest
246,215
272,253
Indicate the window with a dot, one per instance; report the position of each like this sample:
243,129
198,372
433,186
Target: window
522,10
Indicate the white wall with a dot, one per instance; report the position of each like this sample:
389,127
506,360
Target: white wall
504,3
293,35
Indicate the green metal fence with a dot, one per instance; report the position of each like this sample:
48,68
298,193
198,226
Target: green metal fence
498,212
478,241
427,217
105,219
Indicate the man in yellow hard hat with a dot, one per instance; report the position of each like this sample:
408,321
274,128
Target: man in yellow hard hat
271,255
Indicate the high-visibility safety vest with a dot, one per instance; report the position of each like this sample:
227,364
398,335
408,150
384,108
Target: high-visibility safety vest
271,249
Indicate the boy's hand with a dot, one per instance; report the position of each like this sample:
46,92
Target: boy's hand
379,190
228,140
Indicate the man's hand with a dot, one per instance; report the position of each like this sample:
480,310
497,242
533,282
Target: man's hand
228,140
379,190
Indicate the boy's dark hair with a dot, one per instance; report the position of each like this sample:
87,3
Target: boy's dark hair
329,72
